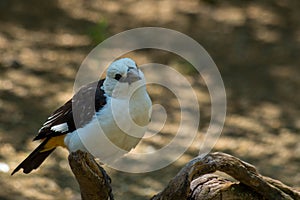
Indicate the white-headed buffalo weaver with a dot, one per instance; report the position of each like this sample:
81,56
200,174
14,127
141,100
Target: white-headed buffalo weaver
60,128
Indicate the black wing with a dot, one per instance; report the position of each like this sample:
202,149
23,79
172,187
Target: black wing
86,101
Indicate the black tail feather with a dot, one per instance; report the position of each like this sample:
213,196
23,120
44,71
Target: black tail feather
35,159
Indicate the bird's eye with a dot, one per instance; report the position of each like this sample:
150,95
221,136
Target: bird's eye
129,68
118,76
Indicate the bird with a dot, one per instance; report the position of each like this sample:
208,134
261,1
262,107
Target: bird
104,103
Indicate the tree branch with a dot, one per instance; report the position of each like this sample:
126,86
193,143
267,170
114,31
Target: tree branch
183,185
195,180
93,181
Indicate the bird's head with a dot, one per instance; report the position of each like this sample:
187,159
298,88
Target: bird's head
122,77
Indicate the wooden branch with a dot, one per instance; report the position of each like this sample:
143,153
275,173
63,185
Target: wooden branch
286,189
211,186
183,185
93,181
195,180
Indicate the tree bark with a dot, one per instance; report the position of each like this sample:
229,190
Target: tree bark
93,181
195,180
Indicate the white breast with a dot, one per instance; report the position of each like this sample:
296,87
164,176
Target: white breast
112,132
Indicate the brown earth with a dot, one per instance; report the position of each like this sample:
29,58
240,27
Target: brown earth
255,45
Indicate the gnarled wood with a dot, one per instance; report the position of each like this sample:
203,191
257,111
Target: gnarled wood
93,181
214,187
195,180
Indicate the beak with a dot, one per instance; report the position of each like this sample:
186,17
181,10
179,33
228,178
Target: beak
132,76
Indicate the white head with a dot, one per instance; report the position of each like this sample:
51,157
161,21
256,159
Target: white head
122,78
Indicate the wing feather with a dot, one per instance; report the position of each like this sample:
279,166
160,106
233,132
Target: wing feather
83,101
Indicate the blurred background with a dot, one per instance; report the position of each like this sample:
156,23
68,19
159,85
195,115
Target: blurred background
255,45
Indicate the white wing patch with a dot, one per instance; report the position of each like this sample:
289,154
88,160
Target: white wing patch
60,128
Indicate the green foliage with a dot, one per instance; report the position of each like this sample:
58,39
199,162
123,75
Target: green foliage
99,33
187,68
211,2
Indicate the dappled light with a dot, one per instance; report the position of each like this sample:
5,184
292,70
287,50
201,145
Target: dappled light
255,45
